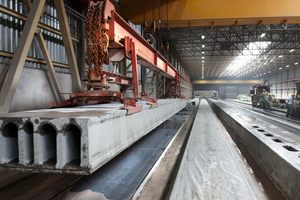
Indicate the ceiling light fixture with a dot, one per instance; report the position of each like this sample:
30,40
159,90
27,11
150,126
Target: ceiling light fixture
292,50
287,66
203,45
203,61
202,57
271,60
280,68
262,35
203,37
280,56
202,52
296,63
269,72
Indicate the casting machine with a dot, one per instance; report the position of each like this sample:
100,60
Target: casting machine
258,92
109,38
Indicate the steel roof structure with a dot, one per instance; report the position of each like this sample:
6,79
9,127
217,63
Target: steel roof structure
216,47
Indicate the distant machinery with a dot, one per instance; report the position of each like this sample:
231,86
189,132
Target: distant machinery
296,106
215,95
258,92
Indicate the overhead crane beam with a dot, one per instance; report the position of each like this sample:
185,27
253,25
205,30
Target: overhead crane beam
186,13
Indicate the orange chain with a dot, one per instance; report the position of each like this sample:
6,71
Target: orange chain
96,53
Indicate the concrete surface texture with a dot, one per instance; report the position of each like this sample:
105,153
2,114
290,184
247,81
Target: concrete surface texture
160,179
211,167
75,140
276,150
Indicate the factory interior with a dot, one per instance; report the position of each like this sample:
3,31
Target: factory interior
149,99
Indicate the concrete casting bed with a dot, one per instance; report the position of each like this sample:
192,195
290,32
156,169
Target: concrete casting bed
275,150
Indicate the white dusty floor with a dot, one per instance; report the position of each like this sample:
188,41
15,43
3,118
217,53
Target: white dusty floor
212,167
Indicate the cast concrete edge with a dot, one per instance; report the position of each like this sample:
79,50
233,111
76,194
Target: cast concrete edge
92,135
282,166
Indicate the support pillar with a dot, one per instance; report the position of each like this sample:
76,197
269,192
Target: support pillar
155,86
134,71
66,35
144,79
50,66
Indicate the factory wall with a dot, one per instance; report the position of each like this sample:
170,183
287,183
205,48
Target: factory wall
283,81
34,90
224,90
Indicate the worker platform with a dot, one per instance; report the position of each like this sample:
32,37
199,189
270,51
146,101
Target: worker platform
273,144
75,140
211,167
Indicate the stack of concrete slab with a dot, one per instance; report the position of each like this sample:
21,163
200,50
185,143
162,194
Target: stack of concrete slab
75,140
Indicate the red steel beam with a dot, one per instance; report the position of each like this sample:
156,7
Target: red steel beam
147,55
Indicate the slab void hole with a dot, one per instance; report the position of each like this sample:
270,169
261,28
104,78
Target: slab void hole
290,148
73,146
269,135
255,126
28,142
277,140
10,148
260,130
48,145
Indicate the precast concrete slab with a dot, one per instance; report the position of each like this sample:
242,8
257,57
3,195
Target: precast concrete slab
75,140
276,150
212,167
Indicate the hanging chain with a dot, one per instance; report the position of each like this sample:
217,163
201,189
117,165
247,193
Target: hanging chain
96,53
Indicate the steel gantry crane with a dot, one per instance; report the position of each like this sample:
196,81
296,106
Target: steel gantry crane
110,38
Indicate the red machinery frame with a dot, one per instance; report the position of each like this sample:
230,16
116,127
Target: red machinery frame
125,42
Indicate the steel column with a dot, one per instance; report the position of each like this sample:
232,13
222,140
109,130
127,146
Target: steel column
134,71
155,86
14,72
144,79
50,66
65,31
